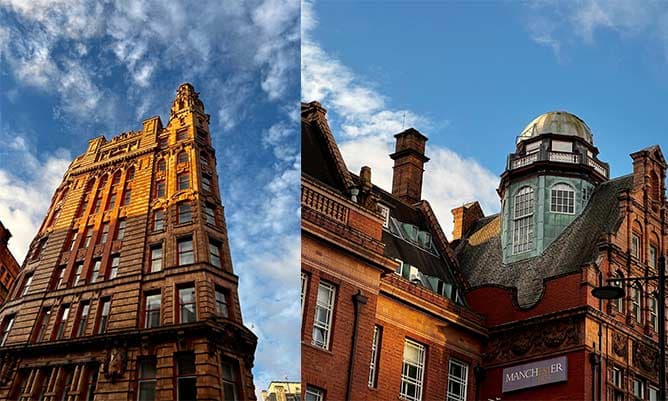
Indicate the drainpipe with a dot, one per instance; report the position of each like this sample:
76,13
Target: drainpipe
358,301
479,374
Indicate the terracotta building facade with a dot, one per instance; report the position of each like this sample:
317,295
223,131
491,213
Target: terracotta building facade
128,291
9,267
384,313
565,228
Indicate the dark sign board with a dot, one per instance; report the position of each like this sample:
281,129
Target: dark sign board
535,374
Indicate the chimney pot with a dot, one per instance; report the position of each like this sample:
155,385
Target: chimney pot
409,160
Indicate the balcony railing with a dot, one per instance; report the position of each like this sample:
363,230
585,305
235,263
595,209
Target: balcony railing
518,161
323,204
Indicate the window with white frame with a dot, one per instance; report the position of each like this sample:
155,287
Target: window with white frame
458,373
617,381
523,220
653,393
619,302
322,322
385,212
562,199
635,245
314,394
303,293
636,299
412,374
638,388
375,354
652,256
654,312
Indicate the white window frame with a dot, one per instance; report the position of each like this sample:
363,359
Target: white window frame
417,365
27,284
654,312
523,235
652,393
635,245
303,293
562,199
314,394
641,387
462,381
326,304
385,212
652,256
621,307
375,352
636,303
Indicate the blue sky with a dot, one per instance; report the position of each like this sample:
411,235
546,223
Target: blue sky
471,75
73,70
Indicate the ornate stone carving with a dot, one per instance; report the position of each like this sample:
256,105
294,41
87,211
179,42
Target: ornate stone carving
645,357
115,363
619,344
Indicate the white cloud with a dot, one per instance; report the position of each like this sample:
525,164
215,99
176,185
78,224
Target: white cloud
365,125
556,23
25,200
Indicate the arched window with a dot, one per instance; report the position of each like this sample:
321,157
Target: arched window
654,186
636,302
523,220
562,199
130,174
182,157
162,166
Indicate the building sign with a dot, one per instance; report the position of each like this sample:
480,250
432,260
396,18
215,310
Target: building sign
535,374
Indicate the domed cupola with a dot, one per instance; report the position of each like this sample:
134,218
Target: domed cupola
547,182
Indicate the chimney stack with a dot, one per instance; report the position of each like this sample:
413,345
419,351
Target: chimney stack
409,160
464,217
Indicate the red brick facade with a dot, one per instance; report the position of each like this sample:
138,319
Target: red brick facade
9,267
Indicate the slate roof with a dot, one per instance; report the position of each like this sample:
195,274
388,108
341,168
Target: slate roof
481,259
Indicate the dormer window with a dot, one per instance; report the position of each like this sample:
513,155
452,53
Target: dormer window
385,212
562,199
532,148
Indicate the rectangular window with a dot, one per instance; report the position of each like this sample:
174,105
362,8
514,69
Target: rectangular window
210,214
84,309
127,197
187,312
103,319
182,135
92,382
115,261
221,302
184,213
375,357
206,183
6,327
314,394
458,373
61,323
105,233
77,274
152,318
112,200
654,312
229,376
26,284
186,253
636,299
653,393
146,381
73,239
562,199
635,245
638,388
652,256
186,382
214,254
203,159
303,293
98,202
323,315
96,271
158,220
183,181
523,221
160,189
120,232
617,377
562,146
156,258
59,277
43,323
89,235
412,374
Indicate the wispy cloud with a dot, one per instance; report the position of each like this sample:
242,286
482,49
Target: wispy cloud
560,24
365,124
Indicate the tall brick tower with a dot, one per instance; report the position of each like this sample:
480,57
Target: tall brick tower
128,291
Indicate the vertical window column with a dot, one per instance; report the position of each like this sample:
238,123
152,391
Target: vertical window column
412,374
458,373
186,381
323,315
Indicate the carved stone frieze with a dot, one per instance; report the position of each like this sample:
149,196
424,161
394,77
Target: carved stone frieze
115,362
549,336
619,344
645,357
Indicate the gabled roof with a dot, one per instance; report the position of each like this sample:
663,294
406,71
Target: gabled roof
654,150
481,259
321,158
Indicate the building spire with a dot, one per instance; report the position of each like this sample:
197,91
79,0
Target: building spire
186,100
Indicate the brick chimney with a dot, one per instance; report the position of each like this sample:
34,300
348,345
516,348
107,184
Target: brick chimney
464,217
409,160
